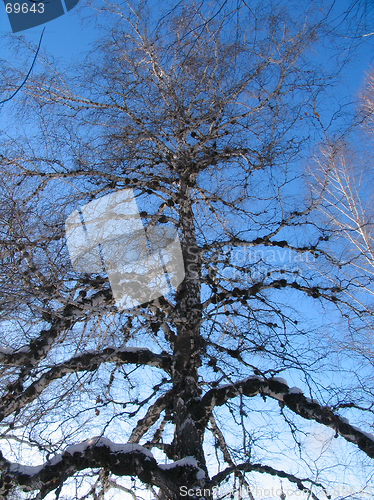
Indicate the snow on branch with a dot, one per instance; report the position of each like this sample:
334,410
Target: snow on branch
87,361
266,469
98,452
295,400
37,349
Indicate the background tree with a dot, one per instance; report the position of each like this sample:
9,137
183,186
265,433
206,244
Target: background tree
206,113
343,174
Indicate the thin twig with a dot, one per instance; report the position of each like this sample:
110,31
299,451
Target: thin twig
28,74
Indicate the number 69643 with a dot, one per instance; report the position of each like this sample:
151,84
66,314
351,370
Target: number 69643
25,8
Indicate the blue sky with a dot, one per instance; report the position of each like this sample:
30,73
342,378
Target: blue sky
68,37
64,37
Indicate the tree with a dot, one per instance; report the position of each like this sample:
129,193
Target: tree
206,115
342,176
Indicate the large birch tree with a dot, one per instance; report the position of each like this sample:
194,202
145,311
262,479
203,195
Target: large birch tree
206,114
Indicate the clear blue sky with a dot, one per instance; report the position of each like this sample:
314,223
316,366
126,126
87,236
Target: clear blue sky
66,37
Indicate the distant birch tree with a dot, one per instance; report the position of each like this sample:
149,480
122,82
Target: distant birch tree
342,176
